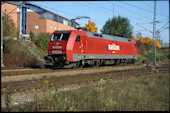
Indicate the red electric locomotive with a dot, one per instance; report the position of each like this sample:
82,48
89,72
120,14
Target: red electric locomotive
75,48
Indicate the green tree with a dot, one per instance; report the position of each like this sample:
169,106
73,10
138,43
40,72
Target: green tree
118,26
43,41
32,35
9,28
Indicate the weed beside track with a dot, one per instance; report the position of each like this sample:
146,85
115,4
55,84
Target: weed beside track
60,81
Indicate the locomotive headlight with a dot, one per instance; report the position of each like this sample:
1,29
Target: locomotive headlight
64,52
49,52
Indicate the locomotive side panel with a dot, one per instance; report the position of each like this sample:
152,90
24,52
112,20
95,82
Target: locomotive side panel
108,47
76,47
98,48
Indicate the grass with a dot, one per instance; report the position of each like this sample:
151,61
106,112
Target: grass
147,93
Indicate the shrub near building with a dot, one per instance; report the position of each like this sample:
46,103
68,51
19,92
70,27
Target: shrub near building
42,41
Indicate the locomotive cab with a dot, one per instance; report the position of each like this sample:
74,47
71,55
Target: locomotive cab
57,48
58,43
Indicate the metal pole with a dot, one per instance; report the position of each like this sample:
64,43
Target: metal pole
154,39
57,21
36,32
113,10
20,28
155,31
2,65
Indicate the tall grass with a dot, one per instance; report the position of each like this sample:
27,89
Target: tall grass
147,93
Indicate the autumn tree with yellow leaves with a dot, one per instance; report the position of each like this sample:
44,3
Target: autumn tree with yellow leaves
91,27
149,41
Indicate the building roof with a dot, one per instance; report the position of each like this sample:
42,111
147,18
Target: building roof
27,4
19,3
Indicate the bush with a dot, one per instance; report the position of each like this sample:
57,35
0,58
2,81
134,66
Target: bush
32,35
168,56
141,57
43,41
161,57
9,29
149,55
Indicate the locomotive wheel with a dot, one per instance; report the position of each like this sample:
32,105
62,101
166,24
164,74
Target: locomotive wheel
95,63
78,65
118,62
133,61
125,62
129,62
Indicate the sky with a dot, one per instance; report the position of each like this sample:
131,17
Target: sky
139,13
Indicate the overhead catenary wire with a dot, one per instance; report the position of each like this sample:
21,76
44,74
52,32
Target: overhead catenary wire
162,27
150,6
95,7
116,12
131,11
102,11
144,9
144,28
158,23
124,8
89,6
71,13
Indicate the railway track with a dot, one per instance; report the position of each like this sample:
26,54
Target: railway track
15,72
38,71
61,81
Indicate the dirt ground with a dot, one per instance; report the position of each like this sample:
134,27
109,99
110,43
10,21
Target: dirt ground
62,73
23,62
35,83
26,91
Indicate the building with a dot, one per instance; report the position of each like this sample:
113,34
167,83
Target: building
38,19
11,10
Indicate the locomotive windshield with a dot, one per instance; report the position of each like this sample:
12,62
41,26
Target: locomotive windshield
60,36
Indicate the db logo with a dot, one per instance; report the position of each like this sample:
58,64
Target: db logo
113,47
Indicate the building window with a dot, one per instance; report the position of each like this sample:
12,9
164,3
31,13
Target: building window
51,26
69,23
55,18
65,22
60,20
59,29
55,27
